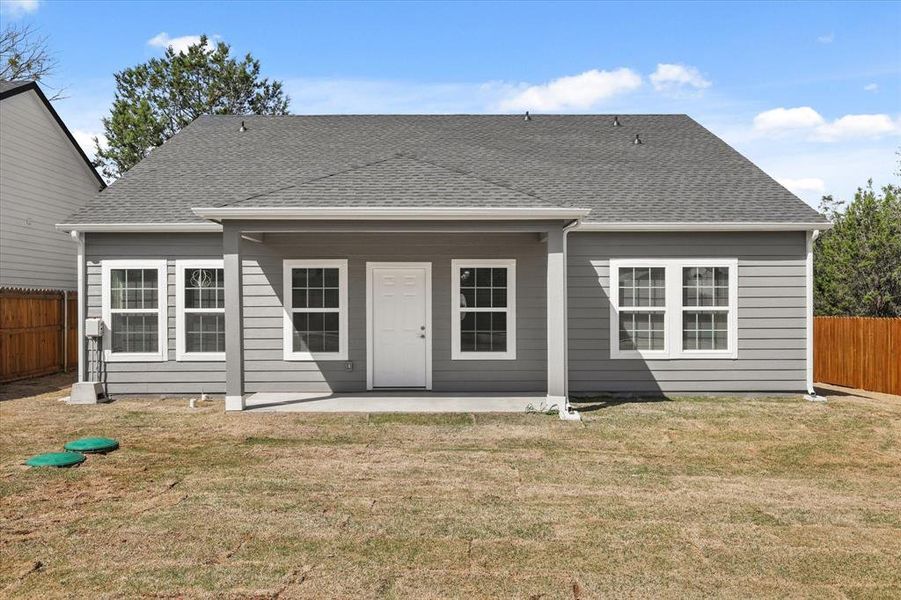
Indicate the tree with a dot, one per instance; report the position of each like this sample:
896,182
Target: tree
156,99
25,56
857,263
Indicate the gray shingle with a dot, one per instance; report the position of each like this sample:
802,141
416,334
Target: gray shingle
681,173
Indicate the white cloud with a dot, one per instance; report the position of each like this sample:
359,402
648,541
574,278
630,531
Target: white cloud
782,119
16,8
856,126
85,139
575,92
871,87
179,44
672,78
827,38
803,185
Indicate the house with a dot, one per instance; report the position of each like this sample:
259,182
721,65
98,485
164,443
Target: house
552,254
44,177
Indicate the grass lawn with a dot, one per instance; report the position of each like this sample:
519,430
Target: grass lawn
698,497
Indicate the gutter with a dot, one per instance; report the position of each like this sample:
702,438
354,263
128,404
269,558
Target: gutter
385,213
140,227
704,226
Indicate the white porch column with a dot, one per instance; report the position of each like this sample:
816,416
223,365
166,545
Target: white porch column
234,322
556,321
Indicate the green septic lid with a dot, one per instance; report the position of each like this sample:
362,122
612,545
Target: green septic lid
92,444
56,459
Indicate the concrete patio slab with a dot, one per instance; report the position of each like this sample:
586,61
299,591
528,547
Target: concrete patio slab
408,402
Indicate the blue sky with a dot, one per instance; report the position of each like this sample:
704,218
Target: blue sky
809,91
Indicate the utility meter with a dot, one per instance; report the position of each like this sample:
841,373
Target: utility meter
93,328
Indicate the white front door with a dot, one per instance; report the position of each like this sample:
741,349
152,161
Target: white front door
400,325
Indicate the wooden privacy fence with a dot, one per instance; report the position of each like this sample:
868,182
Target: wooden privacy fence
858,352
34,337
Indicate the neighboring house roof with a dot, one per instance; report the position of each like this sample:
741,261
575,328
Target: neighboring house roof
680,173
8,89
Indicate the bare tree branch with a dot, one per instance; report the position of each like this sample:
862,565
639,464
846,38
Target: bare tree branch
24,55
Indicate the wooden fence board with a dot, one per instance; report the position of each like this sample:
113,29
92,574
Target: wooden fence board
34,340
858,352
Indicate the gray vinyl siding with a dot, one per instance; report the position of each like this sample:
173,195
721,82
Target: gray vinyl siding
771,314
170,377
43,180
265,369
264,366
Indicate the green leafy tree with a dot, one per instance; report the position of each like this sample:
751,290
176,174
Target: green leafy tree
857,263
156,99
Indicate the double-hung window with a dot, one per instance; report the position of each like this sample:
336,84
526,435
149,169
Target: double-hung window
315,303
483,315
673,308
134,310
200,310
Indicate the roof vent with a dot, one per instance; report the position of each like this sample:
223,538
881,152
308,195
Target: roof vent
528,117
616,122
637,141
242,129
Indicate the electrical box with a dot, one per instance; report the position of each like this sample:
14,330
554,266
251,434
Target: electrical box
93,328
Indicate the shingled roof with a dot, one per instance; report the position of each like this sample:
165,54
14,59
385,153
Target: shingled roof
680,173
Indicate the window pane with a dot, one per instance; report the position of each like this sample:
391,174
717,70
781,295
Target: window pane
315,288
705,286
133,288
483,332
204,288
135,332
642,286
641,331
316,332
204,332
705,330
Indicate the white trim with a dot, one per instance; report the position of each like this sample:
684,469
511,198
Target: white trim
510,264
702,226
180,267
382,213
162,283
288,308
140,227
673,309
370,346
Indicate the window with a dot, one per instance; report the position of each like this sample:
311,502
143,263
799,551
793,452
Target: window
706,290
673,308
642,303
134,310
483,316
315,309
200,310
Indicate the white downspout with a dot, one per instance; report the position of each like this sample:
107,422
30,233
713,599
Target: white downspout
82,299
811,393
566,412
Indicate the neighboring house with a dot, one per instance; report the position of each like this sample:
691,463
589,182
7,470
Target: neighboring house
449,253
44,177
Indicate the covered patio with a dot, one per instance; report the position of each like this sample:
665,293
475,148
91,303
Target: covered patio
258,242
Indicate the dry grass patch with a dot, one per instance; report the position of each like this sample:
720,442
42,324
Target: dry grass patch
693,498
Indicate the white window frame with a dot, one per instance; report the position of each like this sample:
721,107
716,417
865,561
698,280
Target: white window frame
456,309
180,267
289,310
673,309
162,355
